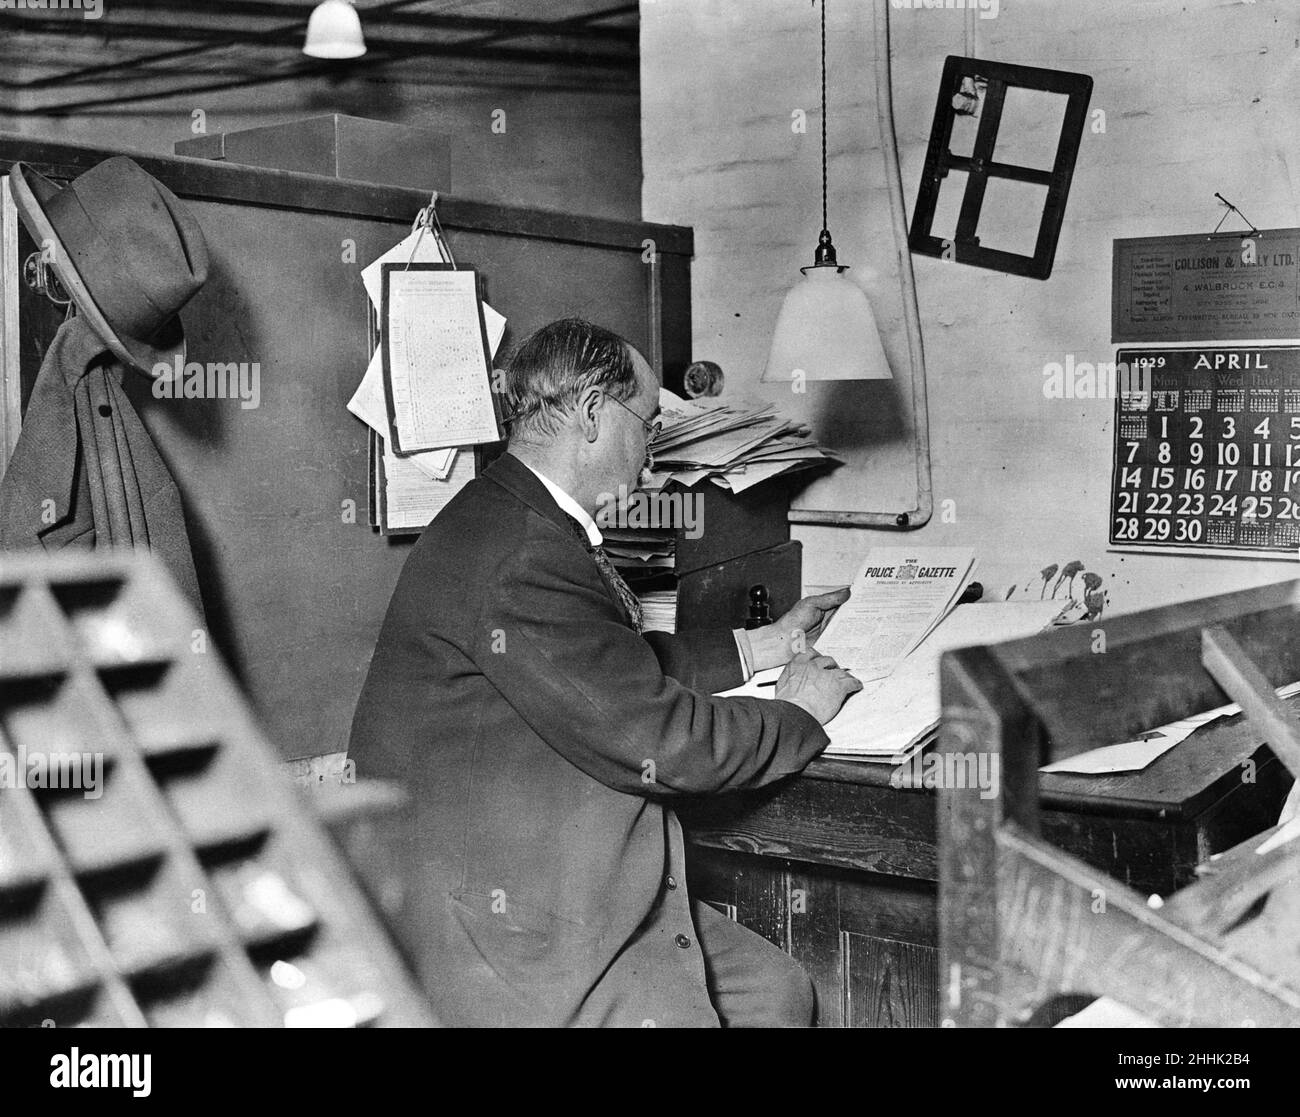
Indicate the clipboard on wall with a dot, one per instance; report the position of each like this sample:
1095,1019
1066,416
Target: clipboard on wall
436,359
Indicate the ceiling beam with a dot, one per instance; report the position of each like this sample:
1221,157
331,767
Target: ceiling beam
583,26
381,51
407,47
162,56
567,50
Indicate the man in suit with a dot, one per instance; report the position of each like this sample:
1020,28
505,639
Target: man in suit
545,738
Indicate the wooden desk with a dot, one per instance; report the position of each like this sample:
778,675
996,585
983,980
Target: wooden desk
839,868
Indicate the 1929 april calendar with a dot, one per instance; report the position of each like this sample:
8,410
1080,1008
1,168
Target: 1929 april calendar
1207,450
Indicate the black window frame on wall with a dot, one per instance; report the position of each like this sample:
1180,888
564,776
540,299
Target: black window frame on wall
980,166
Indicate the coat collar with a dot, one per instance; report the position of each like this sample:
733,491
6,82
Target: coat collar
520,481
569,506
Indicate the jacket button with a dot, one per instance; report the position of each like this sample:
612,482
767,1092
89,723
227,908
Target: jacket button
682,941
671,882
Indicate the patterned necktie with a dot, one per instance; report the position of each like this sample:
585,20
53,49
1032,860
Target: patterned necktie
612,578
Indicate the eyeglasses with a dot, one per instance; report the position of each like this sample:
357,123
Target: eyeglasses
652,426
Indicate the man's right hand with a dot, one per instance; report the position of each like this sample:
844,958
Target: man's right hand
816,683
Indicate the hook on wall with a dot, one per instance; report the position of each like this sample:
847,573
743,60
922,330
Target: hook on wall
426,221
40,277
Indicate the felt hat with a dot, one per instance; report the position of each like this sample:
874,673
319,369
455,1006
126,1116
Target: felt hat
126,250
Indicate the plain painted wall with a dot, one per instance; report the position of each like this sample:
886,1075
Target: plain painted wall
1198,96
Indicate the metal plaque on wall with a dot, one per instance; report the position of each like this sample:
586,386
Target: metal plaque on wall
1224,286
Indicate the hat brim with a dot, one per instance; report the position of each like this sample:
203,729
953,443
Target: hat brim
31,192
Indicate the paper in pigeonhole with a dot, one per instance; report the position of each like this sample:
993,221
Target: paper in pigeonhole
1133,756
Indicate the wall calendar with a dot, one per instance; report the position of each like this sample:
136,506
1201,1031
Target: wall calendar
1207,450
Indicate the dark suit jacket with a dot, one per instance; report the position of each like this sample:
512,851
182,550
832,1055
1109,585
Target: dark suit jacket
545,742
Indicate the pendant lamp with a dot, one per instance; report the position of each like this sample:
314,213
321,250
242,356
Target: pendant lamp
334,31
826,330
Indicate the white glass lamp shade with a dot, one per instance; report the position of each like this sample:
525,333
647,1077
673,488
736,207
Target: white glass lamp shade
826,331
334,31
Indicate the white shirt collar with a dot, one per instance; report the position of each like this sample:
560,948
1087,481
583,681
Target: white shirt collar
569,505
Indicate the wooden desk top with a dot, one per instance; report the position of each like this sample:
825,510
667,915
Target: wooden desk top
846,814
1180,784
1148,829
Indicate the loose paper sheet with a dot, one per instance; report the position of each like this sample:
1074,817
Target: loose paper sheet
1133,756
412,498
367,404
899,595
888,716
1107,1013
422,249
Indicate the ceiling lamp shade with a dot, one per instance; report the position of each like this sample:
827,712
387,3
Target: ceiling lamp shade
826,330
334,31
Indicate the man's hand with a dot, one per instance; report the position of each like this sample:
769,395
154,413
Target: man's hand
817,684
776,643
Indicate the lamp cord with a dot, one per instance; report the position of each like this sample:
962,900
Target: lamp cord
823,115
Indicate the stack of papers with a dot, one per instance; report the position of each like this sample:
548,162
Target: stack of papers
897,713
640,548
899,597
367,404
659,610
892,719
408,490
734,443
409,498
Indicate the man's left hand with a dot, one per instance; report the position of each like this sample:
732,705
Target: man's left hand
775,644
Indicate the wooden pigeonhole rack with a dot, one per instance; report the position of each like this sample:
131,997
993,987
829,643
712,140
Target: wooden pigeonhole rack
1024,925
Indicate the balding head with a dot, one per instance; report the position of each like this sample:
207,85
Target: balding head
554,366
583,403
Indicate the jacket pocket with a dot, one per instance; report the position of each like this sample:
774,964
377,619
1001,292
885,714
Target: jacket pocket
519,940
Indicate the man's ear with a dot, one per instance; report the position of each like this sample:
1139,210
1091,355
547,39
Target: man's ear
588,412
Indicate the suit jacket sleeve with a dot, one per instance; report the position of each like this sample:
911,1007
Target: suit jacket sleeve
706,661
553,643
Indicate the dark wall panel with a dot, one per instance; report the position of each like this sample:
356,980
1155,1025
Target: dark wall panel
294,593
